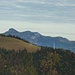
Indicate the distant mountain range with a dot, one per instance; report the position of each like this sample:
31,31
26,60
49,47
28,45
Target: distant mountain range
40,40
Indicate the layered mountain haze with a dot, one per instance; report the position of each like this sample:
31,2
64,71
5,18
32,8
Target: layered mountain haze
41,40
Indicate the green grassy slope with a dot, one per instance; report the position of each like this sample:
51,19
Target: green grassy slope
10,43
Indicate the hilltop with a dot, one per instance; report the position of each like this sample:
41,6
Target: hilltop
11,43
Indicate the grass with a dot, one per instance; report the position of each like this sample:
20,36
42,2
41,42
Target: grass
11,43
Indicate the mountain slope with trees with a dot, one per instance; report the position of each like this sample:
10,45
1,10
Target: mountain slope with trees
47,61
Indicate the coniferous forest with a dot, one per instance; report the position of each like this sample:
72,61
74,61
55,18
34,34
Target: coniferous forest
47,61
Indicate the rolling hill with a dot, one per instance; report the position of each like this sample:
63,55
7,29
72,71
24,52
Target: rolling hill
11,43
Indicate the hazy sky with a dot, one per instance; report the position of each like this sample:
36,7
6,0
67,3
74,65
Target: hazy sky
49,17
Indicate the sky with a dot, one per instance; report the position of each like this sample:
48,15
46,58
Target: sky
48,17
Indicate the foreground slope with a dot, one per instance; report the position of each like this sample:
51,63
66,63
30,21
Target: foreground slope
11,43
46,61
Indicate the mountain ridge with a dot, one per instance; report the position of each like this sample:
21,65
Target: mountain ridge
41,40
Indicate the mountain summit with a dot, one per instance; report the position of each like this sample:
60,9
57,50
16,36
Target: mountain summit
12,31
40,40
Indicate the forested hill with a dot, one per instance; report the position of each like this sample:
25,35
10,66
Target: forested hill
47,61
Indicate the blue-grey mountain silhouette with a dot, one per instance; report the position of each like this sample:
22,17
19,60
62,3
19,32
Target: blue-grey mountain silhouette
40,40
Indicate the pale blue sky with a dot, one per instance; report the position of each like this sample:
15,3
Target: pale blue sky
49,17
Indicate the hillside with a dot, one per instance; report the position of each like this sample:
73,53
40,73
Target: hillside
46,61
11,43
41,40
